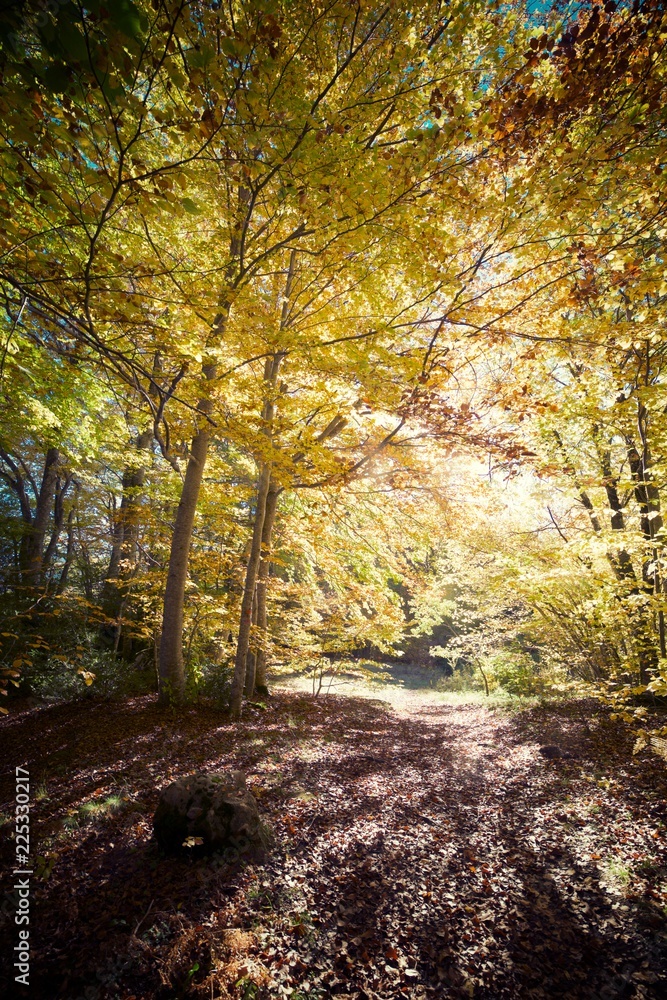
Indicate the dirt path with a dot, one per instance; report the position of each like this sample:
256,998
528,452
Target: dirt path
427,852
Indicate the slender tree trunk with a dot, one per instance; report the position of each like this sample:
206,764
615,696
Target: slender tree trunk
648,499
245,621
251,655
33,541
69,552
109,589
62,486
171,673
124,550
583,495
271,370
621,561
258,663
261,686
170,670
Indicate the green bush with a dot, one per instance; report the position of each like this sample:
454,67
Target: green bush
515,672
208,681
97,673
465,677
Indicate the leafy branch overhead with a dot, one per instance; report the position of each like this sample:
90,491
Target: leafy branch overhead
334,329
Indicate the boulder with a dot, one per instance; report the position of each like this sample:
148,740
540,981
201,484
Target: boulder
552,752
216,810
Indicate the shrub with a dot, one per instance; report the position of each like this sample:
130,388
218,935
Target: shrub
97,673
208,681
517,673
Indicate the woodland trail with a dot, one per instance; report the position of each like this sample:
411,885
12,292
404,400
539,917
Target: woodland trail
427,852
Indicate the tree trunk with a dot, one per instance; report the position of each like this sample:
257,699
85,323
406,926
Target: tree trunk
124,554
262,589
620,561
33,541
648,499
171,673
252,567
62,486
69,552
251,655
583,495
109,589
271,370
170,669
85,563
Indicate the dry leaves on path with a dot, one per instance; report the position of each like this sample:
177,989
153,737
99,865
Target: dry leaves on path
431,852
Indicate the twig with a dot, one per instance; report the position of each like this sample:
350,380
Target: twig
555,524
134,933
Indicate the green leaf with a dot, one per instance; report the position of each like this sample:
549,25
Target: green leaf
72,41
190,206
57,78
126,17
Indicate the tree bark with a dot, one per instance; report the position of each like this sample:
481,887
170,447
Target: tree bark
251,655
62,487
583,495
171,670
262,589
33,541
171,673
648,499
621,561
69,552
124,552
245,620
271,370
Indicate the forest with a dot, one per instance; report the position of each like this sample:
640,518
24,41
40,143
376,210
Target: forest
333,458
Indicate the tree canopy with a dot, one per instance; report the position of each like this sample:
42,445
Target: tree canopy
331,330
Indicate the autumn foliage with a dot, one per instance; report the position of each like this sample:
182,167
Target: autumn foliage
325,330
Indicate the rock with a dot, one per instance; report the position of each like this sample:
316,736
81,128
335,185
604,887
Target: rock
215,809
552,752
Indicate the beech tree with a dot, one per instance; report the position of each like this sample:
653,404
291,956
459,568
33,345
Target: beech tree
298,257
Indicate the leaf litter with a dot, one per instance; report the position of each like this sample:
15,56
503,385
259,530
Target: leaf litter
425,852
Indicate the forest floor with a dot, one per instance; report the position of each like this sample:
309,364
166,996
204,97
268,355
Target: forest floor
426,850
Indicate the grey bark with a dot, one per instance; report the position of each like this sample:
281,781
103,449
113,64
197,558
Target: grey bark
69,552
245,618
171,669
251,655
171,672
36,523
648,499
33,547
124,549
271,371
258,664
62,488
621,561
262,588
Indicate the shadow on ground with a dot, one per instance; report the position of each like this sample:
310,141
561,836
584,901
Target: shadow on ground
431,853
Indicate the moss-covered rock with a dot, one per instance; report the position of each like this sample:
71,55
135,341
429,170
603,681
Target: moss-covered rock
214,809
